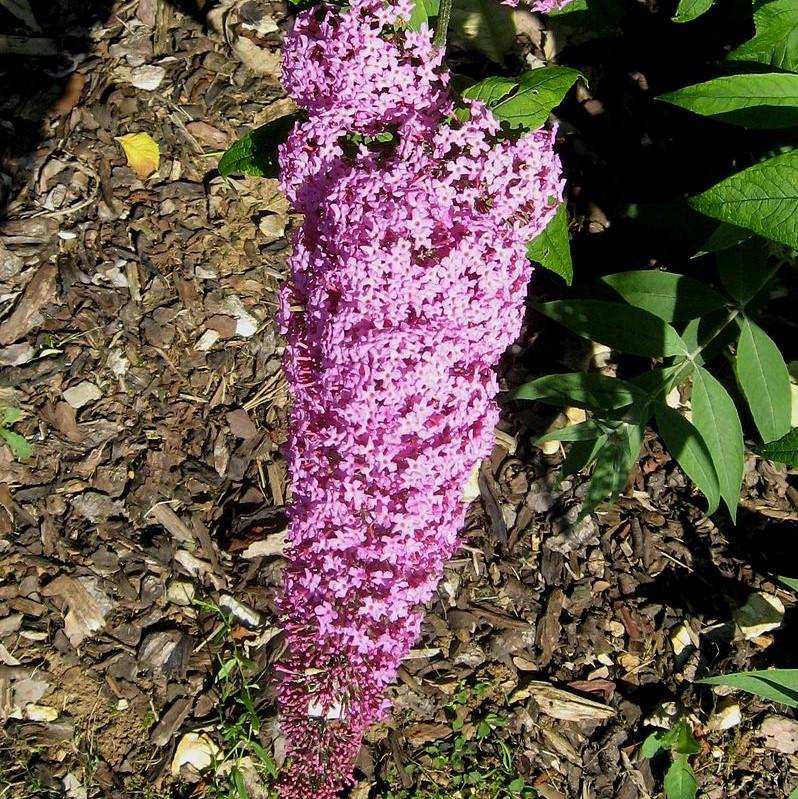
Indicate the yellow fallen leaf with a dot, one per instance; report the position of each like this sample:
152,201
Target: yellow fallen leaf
142,151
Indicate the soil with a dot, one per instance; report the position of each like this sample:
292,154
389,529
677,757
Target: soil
137,338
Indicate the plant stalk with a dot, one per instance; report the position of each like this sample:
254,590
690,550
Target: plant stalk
442,26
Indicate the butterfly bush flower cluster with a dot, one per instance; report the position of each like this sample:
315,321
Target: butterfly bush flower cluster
407,283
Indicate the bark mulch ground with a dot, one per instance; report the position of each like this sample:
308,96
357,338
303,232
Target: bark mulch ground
141,541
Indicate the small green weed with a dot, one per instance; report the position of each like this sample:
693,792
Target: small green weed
239,724
474,766
16,443
680,782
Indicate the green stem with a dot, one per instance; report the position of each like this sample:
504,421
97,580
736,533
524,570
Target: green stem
442,26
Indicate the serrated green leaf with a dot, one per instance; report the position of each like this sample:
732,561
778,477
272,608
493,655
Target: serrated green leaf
613,464
744,270
580,455
483,26
715,417
256,153
584,431
688,10
762,198
756,100
777,685
790,582
551,248
764,381
622,327
689,449
423,11
669,296
18,445
776,39
680,782
783,450
580,390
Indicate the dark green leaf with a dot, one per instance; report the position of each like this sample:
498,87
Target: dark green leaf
709,335
658,383
551,249
689,10
680,780
685,443
716,419
580,455
762,198
790,582
723,237
256,153
622,327
238,784
584,431
776,39
754,100
580,390
666,295
614,462
764,381
685,743
483,26
777,685
784,450
744,270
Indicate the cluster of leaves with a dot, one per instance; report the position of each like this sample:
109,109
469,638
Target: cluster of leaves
679,743
683,324
471,766
239,725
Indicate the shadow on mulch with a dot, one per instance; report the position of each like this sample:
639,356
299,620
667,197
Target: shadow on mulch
38,57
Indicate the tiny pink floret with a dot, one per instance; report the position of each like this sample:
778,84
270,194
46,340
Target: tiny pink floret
408,278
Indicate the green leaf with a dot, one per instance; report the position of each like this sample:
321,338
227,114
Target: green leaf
622,327
423,10
653,744
484,26
745,270
551,249
685,443
240,787
666,295
715,417
9,416
680,780
256,153
784,450
790,582
21,449
685,743
776,39
614,462
777,685
762,198
526,102
793,793
757,100
723,237
709,335
764,381
584,431
580,455
580,390
688,10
